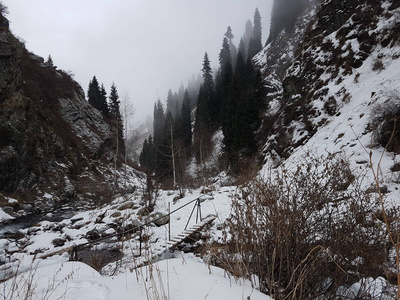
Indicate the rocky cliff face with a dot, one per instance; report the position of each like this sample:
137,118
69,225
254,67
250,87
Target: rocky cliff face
54,146
314,71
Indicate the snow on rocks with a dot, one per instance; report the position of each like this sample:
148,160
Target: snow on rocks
115,225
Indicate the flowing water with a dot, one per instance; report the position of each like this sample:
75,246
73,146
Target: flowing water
13,226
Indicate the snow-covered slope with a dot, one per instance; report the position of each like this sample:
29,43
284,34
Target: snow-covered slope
176,279
345,62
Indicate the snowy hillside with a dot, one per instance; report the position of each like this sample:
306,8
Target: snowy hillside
313,223
335,66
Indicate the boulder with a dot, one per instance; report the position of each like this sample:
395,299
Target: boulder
93,235
159,219
128,205
58,242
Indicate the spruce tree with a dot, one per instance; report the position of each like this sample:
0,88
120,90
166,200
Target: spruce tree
162,152
229,35
97,96
144,154
247,36
103,107
224,83
213,105
238,95
171,103
93,93
158,123
114,103
115,114
255,44
147,156
284,16
202,128
186,121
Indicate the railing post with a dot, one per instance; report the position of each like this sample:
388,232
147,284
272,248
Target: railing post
195,205
200,210
140,241
169,223
73,256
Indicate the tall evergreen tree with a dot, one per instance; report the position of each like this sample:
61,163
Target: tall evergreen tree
229,35
213,105
97,96
247,36
186,121
93,92
114,103
115,114
224,82
103,102
255,44
193,89
284,16
235,106
147,156
202,128
144,154
158,123
171,103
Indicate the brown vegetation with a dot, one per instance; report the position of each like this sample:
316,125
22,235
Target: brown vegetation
305,232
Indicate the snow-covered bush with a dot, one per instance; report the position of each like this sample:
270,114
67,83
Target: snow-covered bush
384,122
307,230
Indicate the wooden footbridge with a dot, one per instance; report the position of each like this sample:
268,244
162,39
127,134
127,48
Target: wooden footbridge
150,255
162,249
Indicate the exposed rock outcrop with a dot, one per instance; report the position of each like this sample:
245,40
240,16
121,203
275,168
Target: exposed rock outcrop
54,146
331,41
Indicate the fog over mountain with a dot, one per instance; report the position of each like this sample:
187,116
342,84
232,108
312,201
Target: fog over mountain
145,47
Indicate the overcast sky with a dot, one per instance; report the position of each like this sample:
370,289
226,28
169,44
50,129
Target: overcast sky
144,46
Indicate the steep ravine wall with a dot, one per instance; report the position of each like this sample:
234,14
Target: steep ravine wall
54,147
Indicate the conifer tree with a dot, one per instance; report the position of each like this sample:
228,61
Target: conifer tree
283,18
144,154
103,102
247,36
202,129
93,92
147,156
161,137
97,96
115,114
114,103
193,88
186,121
158,123
171,103
213,105
235,106
229,35
49,62
255,44
224,81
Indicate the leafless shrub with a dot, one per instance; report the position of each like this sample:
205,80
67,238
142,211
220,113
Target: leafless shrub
27,285
384,119
378,65
304,232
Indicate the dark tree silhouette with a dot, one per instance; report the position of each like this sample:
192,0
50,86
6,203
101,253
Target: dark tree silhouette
115,114
255,44
97,96
284,16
